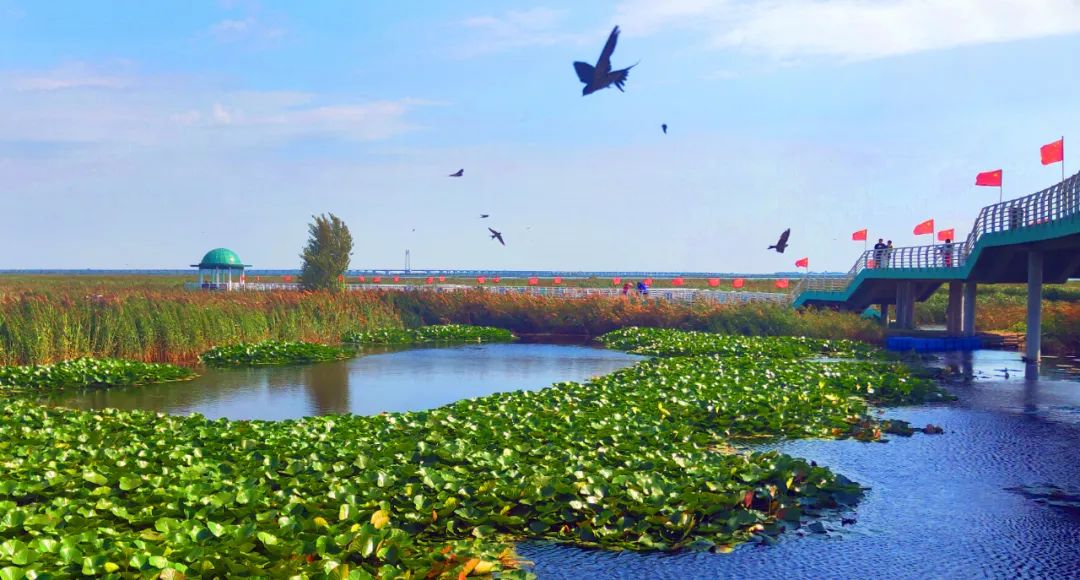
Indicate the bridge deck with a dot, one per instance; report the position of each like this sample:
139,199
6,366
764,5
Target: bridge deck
995,251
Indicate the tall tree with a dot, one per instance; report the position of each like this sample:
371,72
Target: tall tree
326,256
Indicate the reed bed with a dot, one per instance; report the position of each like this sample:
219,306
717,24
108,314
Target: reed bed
51,322
1004,308
45,319
593,316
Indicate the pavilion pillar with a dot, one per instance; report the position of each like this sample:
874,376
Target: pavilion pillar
954,312
969,308
1034,314
884,310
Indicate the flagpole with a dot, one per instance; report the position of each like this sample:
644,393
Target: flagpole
1063,159
1001,193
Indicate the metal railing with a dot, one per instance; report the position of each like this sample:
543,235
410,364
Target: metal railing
1060,201
687,295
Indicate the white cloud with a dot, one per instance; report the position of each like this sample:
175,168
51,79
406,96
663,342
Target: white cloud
71,76
516,29
853,29
250,28
157,112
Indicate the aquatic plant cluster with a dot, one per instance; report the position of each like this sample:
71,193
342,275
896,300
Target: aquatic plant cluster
272,352
444,333
639,459
87,373
667,342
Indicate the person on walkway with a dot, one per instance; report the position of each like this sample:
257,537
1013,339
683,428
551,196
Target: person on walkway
642,288
626,289
946,252
879,252
888,253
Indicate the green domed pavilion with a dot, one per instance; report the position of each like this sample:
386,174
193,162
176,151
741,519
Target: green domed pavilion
217,268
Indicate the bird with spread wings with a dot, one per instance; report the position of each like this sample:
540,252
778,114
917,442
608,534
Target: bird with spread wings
601,76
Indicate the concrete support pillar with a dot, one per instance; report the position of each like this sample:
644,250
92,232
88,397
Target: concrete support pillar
954,312
905,306
900,305
884,309
1034,313
969,309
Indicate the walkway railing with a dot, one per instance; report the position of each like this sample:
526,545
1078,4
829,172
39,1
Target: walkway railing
1060,201
688,295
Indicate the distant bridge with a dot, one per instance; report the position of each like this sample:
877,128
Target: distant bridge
1031,239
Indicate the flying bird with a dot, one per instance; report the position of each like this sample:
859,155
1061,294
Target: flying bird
458,173
484,215
496,236
781,245
664,127
601,76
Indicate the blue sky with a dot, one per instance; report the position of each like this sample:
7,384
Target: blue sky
141,134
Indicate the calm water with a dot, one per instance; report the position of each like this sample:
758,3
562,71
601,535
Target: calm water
965,504
406,380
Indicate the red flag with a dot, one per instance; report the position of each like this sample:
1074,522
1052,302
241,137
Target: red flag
859,236
442,278
558,280
737,283
616,281
927,227
1053,152
782,283
480,279
803,263
430,280
677,282
288,278
714,282
397,278
534,281
495,280
377,279
360,279
948,234
647,281
989,178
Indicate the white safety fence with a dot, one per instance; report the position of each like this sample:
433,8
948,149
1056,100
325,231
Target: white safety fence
674,294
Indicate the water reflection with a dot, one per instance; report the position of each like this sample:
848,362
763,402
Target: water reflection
400,380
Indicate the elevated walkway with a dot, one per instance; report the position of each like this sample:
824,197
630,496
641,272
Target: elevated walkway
1033,239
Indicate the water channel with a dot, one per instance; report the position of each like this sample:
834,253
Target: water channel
378,380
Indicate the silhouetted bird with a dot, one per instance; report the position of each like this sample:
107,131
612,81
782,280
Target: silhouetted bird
484,215
781,245
601,76
496,236
664,127
459,173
